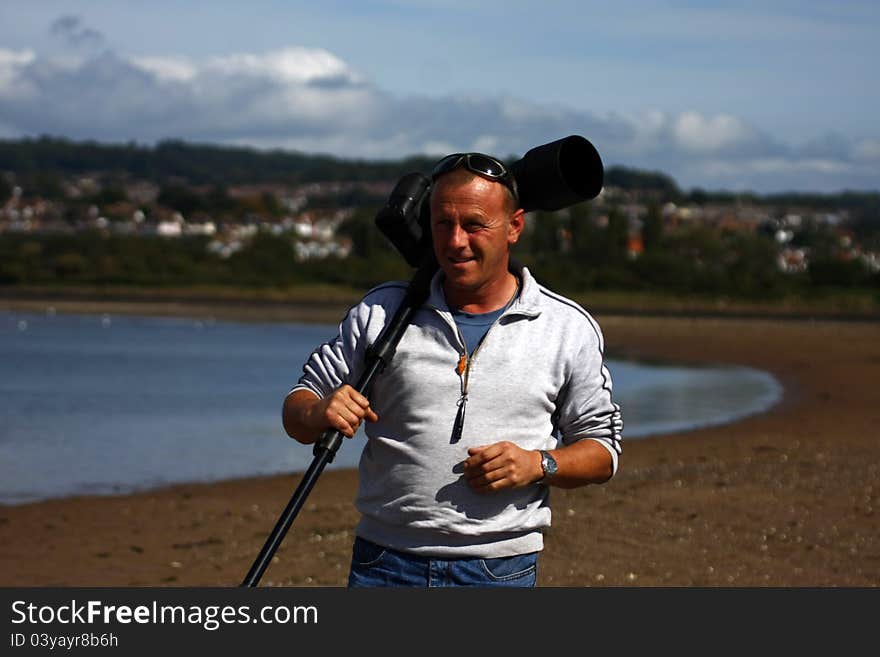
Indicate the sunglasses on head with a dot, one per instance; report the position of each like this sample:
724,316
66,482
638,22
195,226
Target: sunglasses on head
480,164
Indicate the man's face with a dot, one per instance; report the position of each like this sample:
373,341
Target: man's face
472,226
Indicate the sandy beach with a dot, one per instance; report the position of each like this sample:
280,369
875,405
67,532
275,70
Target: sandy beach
785,498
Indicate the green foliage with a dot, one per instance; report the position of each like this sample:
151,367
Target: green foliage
5,189
652,231
836,272
693,261
182,199
750,265
661,269
544,235
367,240
648,181
95,259
42,183
616,236
263,259
865,223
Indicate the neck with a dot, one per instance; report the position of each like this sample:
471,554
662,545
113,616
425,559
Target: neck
483,300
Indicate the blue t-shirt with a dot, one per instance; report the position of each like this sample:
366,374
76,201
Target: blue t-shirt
474,326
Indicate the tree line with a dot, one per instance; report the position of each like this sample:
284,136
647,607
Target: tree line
45,159
568,252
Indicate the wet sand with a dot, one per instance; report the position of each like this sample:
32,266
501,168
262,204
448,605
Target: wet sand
785,498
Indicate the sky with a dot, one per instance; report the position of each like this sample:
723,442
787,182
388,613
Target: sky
758,96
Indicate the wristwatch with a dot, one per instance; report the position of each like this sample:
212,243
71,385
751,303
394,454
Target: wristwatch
548,465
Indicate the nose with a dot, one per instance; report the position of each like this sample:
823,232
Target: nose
457,236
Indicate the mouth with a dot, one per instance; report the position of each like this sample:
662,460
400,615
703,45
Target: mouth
458,260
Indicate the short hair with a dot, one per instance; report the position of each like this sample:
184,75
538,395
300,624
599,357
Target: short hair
511,203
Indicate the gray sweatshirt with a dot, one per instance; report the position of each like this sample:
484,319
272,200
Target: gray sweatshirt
537,377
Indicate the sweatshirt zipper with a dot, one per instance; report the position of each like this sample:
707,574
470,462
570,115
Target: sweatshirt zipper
464,371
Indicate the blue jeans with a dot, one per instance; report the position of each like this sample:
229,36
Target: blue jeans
374,565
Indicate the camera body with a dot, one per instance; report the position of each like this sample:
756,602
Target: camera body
548,177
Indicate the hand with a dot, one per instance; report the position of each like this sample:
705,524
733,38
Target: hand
501,465
344,410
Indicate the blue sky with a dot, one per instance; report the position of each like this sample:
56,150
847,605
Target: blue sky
767,96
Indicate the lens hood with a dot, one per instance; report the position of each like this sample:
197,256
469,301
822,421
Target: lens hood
559,174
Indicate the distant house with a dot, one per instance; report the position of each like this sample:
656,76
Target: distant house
172,227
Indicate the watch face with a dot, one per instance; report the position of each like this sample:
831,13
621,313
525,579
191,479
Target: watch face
548,463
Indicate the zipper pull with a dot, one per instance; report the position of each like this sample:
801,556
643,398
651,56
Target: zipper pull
459,420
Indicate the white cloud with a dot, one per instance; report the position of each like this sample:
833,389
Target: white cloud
172,69
11,62
107,96
701,134
290,65
12,58
867,150
311,100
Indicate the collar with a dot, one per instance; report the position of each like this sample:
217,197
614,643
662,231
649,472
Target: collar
527,304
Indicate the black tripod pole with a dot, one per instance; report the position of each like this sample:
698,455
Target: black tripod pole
377,357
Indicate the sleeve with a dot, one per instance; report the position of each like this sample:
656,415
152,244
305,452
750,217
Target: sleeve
341,359
335,362
587,410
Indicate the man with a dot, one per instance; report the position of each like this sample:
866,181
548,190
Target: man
462,424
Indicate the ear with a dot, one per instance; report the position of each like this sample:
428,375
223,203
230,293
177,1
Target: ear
515,226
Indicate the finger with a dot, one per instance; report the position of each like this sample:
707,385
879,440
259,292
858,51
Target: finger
488,452
489,460
480,455
346,392
342,419
353,413
343,427
361,412
490,482
482,478
485,472
342,409
349,421
364,409
359,399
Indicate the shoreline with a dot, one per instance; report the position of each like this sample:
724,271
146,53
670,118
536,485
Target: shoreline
326,303
784,498
238,311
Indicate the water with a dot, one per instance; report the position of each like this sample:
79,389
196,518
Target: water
99,405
